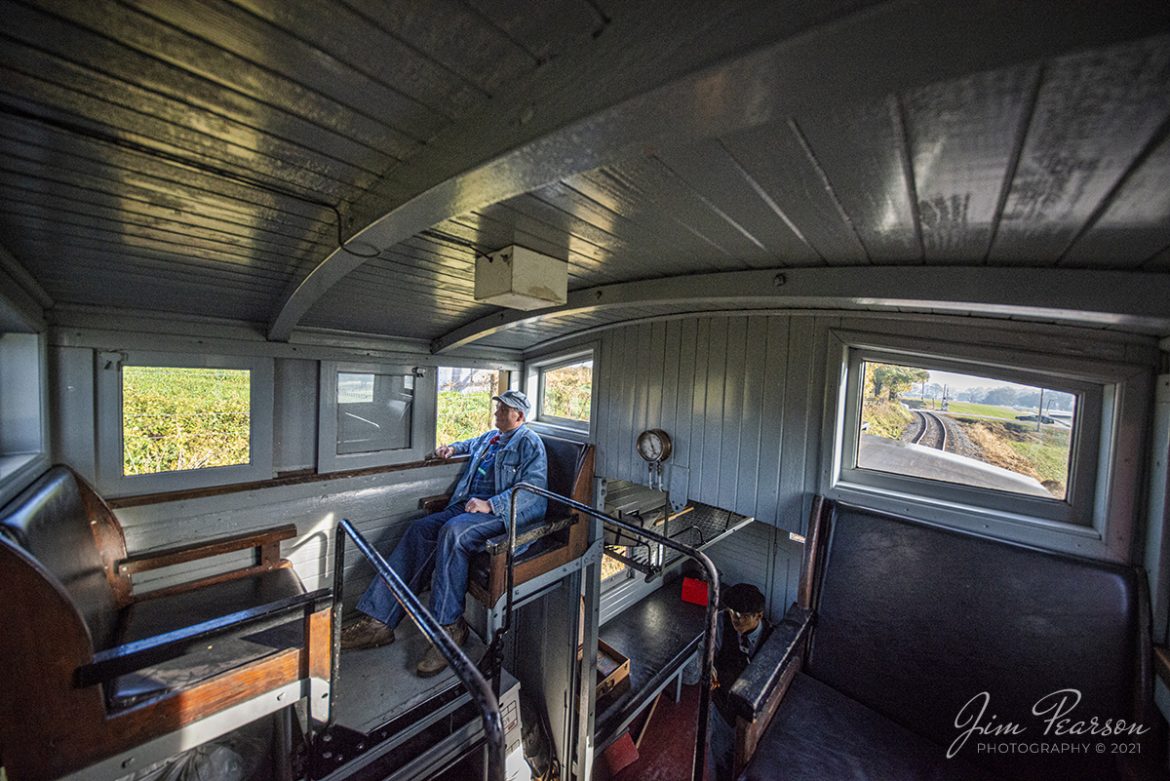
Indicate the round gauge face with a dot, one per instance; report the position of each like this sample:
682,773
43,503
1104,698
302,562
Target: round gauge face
654,445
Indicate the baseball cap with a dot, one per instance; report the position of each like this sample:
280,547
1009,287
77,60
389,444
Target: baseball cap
514,399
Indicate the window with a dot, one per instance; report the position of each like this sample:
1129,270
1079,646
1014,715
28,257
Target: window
372,415
564,390
966,429
464,404
180,418
23,436
1028,446
171,422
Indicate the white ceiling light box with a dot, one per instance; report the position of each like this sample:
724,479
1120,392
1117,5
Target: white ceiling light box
519,278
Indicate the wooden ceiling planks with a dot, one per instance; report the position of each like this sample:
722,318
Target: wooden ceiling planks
229,73
1134,226
777,158
727,188
962,138
862,151
1094,114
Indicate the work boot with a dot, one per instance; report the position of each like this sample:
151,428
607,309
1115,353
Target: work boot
433,661
365,633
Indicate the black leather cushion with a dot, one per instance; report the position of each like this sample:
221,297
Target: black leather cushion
914,621
49,520
212,656
819,734
564,460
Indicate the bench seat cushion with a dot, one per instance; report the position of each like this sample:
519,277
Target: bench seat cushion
819,733
213,656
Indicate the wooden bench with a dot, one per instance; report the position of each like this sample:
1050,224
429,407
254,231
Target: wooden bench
93,670
553,542
903,631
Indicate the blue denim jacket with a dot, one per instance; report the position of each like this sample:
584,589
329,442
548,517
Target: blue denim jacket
521,460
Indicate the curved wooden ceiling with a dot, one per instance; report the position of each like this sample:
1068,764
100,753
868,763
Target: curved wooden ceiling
196,157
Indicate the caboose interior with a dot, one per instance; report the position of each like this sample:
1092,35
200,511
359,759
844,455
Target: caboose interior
722,221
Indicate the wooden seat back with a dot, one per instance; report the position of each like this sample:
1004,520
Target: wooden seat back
67,610
73,535
570,473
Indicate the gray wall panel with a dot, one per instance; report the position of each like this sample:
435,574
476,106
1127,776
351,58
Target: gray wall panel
740,396
381,507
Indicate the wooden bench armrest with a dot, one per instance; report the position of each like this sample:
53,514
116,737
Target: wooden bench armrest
129,657
499,544
432,504
267,541
752,690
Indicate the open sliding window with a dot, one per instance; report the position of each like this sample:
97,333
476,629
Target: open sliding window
374,415
172,422
464,401
1023,450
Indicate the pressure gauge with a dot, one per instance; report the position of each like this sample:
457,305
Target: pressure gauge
654,445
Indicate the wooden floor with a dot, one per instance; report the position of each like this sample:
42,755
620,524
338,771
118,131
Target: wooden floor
380,684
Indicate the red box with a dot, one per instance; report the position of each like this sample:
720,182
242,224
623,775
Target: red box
694,591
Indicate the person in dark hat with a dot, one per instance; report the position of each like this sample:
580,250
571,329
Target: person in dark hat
439,546
742,629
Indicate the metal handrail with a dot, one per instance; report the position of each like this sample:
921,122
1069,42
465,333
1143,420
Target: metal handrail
699,759
481,691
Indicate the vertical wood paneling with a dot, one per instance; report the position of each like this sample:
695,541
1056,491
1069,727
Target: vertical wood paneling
687,351
752,416
644,380
732,412
712,412
747,556
699,405
801,377
629,392
657,378
772,426
670,379
742,398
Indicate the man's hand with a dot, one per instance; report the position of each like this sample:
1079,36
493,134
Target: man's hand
478,506
444,451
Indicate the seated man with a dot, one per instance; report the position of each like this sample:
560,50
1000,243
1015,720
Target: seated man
741,631
439,546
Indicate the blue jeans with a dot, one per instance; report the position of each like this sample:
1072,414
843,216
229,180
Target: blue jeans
438,547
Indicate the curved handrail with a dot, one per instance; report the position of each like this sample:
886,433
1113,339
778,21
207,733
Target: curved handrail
480,690
699,759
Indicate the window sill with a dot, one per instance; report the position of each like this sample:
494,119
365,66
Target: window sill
18,470
277,482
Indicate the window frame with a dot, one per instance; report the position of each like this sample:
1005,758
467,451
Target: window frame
422,424
536,374
1094,519
108,370
24,366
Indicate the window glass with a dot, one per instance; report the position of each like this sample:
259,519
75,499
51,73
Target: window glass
567,391
179,419
464,407
373,411
967,429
